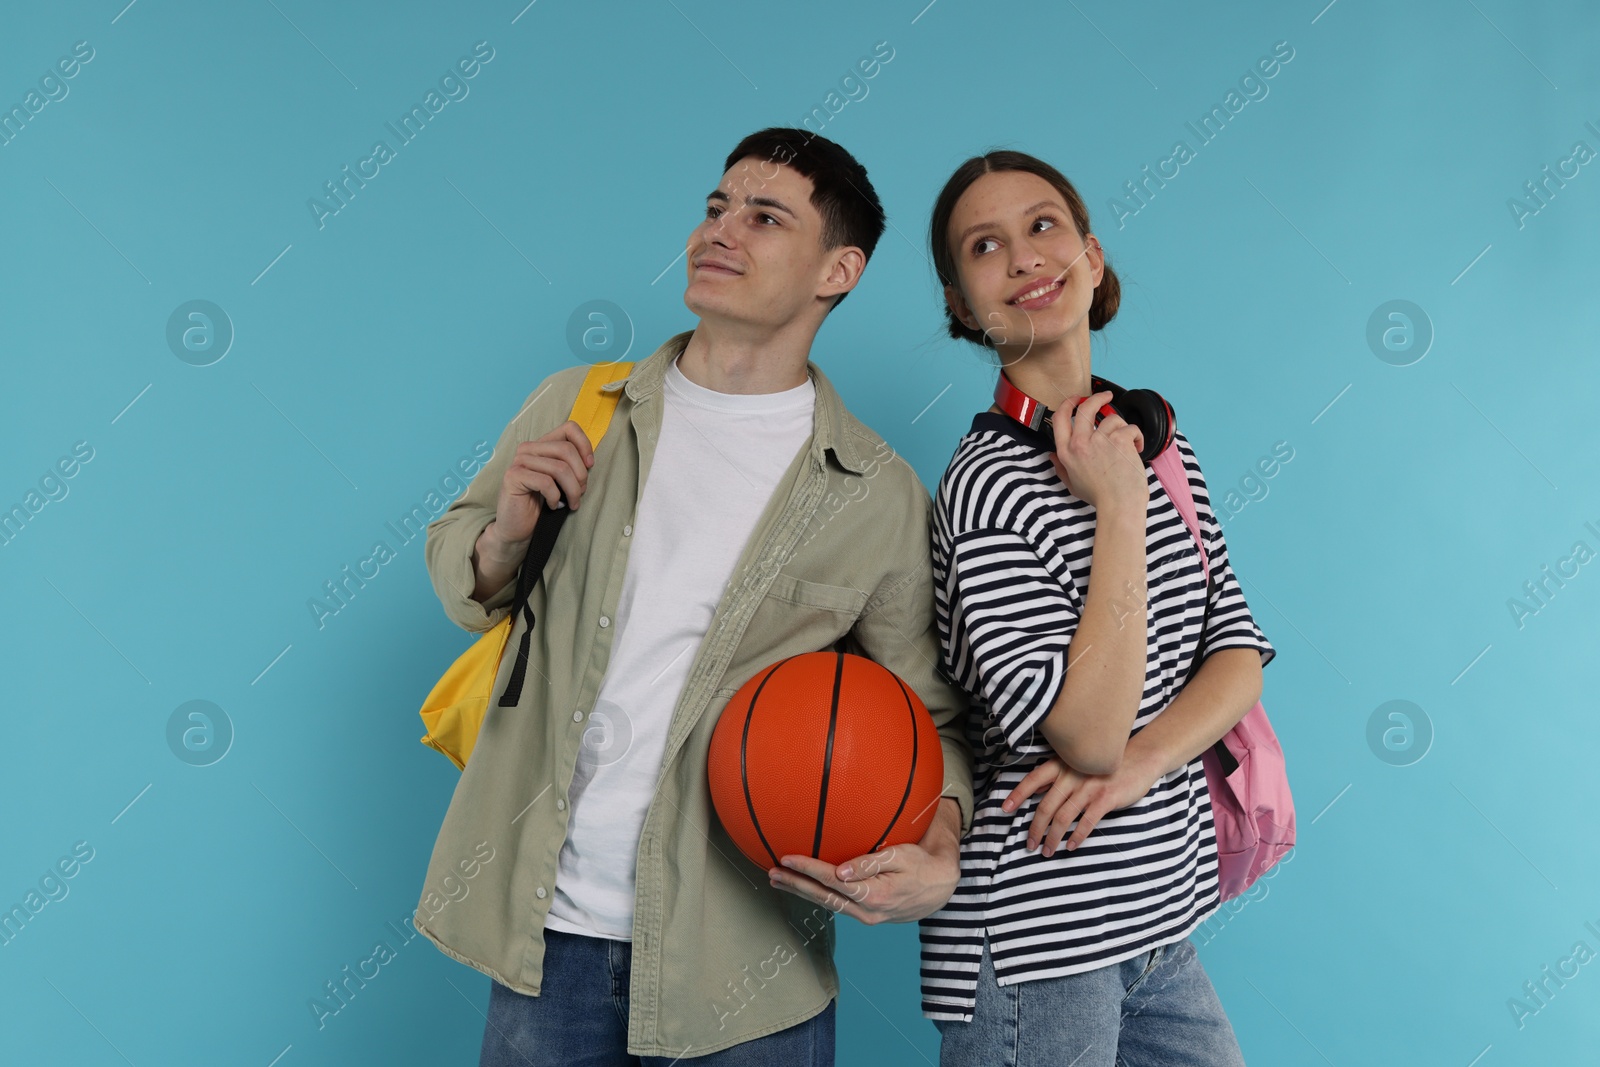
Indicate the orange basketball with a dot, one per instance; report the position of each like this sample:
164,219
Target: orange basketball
824,754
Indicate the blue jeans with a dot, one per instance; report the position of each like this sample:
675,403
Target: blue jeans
1156,1009
581,1018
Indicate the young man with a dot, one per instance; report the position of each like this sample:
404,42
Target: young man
733,514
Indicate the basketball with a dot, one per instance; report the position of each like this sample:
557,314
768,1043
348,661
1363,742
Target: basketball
824,754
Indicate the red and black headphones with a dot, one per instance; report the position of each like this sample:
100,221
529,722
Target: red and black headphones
1144,408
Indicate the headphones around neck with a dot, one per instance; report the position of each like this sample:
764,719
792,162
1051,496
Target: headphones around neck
1144,408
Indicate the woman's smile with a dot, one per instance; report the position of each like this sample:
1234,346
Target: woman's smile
1038,296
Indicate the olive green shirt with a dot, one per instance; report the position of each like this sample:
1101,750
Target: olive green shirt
839,558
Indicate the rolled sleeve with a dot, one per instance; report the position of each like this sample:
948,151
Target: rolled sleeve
1012,620
449,553
902,634
452,538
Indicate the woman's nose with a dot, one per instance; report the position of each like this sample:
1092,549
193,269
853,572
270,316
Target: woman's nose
1024,257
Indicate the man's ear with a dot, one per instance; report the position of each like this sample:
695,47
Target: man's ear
958,306
845,272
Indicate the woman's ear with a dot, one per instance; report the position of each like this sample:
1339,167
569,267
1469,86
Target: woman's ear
958,307
1097,259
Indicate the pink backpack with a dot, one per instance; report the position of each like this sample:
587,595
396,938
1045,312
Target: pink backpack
1251,807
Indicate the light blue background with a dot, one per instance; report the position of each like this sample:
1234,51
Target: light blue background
377,350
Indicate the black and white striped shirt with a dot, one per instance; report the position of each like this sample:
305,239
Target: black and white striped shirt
1011,554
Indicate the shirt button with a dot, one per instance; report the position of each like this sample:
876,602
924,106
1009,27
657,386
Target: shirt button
577,716
561,805
627,531
604,622
539,892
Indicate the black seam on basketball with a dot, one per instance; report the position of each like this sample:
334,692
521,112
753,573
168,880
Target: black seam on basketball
827,756
744,777
911,776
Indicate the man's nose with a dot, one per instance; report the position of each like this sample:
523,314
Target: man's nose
720,232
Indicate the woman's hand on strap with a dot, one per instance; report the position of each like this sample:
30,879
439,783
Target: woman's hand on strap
1100,464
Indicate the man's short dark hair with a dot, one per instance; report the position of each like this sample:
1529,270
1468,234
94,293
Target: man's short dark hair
841,193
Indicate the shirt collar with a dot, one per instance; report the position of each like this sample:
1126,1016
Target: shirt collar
644,382
1009,427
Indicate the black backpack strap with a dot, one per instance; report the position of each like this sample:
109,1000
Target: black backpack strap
543,541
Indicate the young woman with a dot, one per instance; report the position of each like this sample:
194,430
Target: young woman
1069,595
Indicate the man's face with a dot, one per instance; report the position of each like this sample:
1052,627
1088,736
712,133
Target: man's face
757,256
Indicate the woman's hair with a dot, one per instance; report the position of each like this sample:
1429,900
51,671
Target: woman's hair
1106,295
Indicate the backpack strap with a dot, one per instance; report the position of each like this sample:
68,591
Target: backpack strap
1169,468
591,410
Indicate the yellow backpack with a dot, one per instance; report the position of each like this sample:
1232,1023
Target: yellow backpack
454,711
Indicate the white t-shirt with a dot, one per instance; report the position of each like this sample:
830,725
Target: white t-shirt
717,461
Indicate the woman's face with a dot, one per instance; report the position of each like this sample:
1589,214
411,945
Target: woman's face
1012,236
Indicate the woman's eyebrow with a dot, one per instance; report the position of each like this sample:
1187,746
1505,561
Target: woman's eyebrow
983,225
